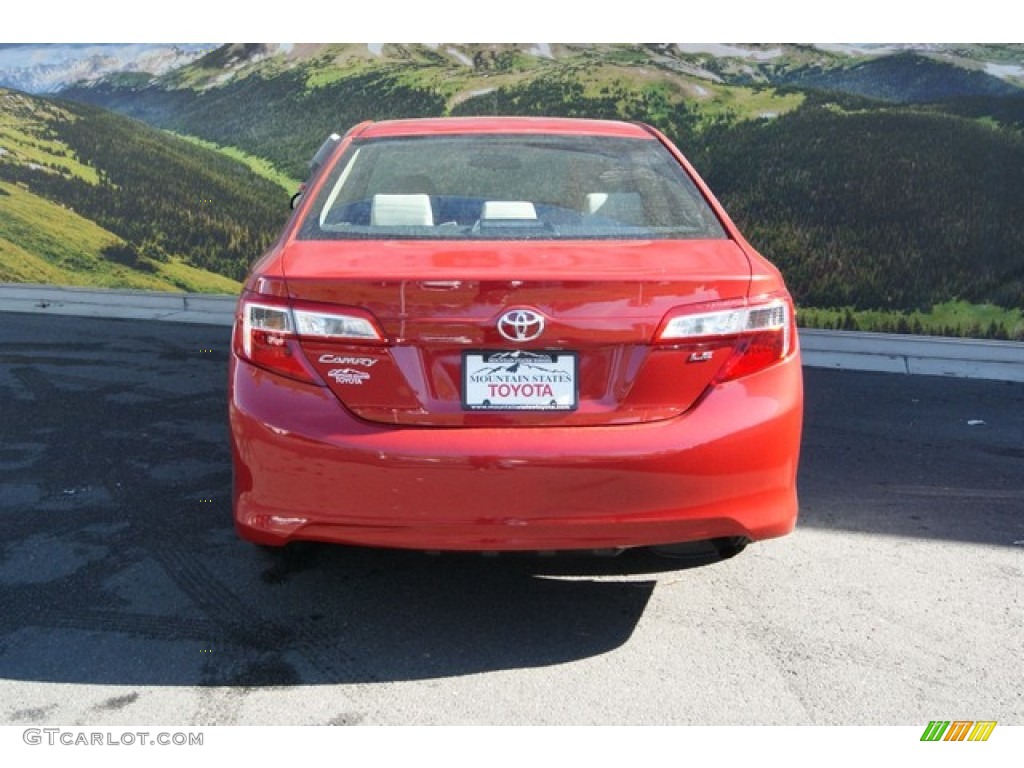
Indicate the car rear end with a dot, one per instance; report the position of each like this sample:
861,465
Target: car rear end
513,334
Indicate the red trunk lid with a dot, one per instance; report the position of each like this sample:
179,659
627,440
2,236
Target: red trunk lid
436,302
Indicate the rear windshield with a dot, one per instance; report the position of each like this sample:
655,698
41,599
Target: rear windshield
509,187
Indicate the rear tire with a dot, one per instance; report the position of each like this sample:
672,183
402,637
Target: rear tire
730,546
708,549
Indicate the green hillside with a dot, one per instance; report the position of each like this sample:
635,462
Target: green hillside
44,242
282,108
92,198
879,209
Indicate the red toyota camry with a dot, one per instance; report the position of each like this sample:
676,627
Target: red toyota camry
513,334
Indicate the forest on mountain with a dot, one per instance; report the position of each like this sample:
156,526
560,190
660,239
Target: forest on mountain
165,197
277,118
903,78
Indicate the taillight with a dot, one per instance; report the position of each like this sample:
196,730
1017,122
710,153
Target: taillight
268,329
760,333
329,326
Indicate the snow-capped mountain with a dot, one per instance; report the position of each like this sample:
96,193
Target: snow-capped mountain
44,68
41,68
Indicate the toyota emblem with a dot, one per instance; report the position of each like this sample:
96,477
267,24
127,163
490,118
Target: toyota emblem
521,325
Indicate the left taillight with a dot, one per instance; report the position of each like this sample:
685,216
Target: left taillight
268,329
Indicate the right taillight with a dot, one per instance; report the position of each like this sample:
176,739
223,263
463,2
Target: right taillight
267,332
759,332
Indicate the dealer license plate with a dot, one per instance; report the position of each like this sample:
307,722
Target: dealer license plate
519,380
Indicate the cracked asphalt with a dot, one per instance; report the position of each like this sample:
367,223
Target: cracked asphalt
126,598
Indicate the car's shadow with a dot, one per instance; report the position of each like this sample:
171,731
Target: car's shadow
178,606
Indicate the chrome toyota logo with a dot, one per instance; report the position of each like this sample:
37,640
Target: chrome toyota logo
521,325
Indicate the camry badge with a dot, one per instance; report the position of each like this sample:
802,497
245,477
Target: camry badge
339,360
521,325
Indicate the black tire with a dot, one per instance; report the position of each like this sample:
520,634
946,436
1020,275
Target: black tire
705,550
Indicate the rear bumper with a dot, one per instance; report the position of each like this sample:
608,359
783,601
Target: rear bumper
306,469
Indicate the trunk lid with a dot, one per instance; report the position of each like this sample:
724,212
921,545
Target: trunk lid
440,304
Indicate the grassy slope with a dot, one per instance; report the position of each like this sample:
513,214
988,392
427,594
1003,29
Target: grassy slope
258,165
25,138
77,180
43,242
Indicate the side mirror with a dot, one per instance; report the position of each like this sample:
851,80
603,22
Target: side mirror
314,165
297,197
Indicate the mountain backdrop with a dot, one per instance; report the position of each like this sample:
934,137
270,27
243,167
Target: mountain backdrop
887,182
88,197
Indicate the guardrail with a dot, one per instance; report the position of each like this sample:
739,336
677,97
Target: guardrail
850,350
210,309
921,355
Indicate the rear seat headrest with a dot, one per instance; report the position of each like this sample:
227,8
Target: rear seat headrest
508,209
401,211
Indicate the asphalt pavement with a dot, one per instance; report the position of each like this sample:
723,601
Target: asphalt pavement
126,598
